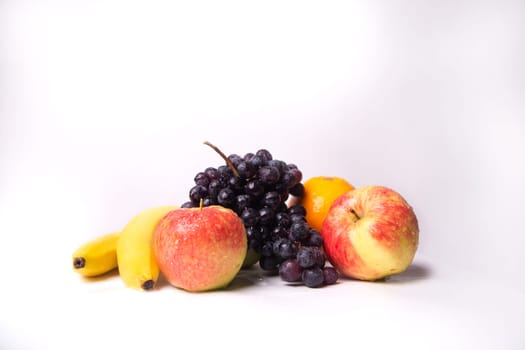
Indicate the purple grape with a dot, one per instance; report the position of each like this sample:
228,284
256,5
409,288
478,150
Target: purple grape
212,173
285,249
299,231
313,277
266,216
202,179
330,275
297,190
226,197
264,154
254,188
297,210
206,202
315,239
242,201
256,162
290,271
269,263
249,216
246,169
283,220
268,175
271,199
214,188
306,257
197,193
235,159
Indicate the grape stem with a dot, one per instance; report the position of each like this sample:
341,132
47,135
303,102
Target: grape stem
226,159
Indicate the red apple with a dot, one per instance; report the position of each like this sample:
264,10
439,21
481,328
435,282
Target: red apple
199,249
370,233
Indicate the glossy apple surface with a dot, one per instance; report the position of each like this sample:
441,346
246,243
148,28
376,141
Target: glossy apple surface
200,249
370,233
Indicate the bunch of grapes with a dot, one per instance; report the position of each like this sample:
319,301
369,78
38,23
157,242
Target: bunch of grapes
256,187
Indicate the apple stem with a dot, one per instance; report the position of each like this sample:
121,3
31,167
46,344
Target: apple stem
226,159
201,204
357,216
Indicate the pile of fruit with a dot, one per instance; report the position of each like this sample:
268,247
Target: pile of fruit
256,209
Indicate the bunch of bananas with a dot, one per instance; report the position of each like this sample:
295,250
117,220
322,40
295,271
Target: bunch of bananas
129,250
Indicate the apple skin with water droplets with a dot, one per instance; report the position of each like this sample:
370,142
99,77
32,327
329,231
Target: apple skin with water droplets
200,249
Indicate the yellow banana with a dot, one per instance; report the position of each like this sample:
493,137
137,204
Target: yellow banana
136,261
96,257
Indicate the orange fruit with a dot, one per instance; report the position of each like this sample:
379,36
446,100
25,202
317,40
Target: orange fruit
319,193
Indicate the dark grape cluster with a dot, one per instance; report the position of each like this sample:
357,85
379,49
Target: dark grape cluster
256,187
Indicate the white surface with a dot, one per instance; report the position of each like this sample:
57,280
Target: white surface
104,106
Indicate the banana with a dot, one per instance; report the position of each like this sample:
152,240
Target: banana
137,263
96,257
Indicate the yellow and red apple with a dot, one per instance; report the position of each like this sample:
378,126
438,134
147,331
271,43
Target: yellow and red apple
199,249
370,233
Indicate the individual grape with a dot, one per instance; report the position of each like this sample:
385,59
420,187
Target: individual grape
299,231
266,216
318,256
187,205
226,197
249,216
267,249
225,173
271,199
284,248
276,244
242,201
268,175
297,173
254,235
288,179
266,232
197,192
279,232
254,188
306,257
206,202
235,159
297,218
264,154
269,263
315,239
202,179
236,184
283,190
246,169
214,188
297,209
313,277
330,275
279,164
256,162
283,220
211,173
297,190
290,271
248,156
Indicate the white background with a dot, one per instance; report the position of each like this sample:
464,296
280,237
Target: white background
104,106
